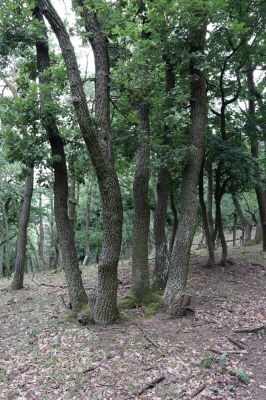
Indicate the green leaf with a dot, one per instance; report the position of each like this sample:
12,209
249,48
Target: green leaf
242,376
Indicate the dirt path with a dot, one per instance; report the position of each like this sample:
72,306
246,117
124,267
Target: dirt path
46,357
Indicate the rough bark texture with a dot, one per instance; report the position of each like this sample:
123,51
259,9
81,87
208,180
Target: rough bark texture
77,294
21,247
245,222
140,245
162,191
106,302
255,151
208,236
179,263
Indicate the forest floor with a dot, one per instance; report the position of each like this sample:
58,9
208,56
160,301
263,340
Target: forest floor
47,357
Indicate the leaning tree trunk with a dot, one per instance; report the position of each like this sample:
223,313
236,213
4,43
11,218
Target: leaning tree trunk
77,294
21,247
179,263
106,303
211,260
246,224
163,190
255,150
140,245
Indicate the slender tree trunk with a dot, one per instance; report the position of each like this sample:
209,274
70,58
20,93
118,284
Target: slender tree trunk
246,224
41,260
87,227
255,151
163,190
234,229
211,260
219,217
210,200
140,245
72,202
21,246
258,234
76,291
179,263
174,222
106,303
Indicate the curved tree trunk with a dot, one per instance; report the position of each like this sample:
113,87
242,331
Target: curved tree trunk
179,263
72,203
246,224
140,245
106,303
211,260
77,294
24,215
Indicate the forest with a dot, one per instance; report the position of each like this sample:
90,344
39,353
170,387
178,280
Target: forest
132,199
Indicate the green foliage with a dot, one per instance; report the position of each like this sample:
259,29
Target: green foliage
242,376
207,361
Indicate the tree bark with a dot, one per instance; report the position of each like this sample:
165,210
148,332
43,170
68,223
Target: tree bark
210,200
246,224
163,191
140,245
234,229
72,202
174,222
255,150
41,260
218,217
179,263
106,303
208,236
87,226
76,291
21,246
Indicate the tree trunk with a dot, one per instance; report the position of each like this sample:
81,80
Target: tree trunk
179,263
234,229
106,303
174,222
87,227
140,245
76,291
21,246
255,150
210,200
258,234
211,260
72,203
218,216
246,224
41,261
163,190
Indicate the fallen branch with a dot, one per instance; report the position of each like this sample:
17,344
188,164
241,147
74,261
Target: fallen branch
219,352
199,390
151,385
48,285
149,339
258,265
235,342
250,329
90,369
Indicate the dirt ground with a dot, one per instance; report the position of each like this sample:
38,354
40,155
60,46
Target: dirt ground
44,356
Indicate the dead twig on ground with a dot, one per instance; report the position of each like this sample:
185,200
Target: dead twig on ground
151,385
149,339
250,329
199,390
235,342
49,285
